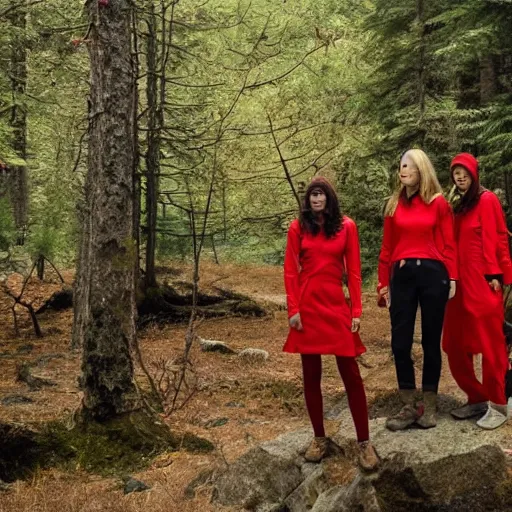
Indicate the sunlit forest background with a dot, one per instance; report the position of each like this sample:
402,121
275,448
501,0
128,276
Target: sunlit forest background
240,103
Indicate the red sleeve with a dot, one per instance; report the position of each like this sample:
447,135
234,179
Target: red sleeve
495,238
446,228
353,263
386,251
292,268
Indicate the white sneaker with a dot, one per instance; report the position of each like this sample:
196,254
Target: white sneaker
495,416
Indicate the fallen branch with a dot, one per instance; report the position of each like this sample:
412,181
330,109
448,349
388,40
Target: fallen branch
34,383
28,306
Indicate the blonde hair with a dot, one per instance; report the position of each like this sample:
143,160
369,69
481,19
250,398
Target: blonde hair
429,184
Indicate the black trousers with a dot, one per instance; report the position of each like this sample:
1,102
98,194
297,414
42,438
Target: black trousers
424,282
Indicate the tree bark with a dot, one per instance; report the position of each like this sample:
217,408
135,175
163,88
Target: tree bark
487,79
40,267
105,303
420,15
18,74
136,160
153,149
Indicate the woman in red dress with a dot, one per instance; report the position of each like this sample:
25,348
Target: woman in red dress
474,319
323,244
417,266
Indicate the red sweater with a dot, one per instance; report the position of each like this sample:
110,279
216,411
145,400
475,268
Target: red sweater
418,230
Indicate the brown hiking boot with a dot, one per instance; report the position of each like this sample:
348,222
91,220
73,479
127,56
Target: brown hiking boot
368,457
428,419
317,449
408,414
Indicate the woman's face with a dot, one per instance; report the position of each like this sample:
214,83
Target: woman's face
408,172
462,178
317,200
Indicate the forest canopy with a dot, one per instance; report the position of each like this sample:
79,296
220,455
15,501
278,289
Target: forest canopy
239,104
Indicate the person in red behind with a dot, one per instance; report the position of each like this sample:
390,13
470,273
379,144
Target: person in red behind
417,265
474,319
320,244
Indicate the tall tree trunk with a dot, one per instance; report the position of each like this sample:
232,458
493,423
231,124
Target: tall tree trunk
153,149
106,300
224,209
420,18
18,185
136,152
487,79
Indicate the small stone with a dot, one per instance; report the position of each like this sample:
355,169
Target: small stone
219,422
253,355
133,485
238,405
25,349
16,399
215,346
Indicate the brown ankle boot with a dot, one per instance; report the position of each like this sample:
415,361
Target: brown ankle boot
368,457
317,449
408,414
429,416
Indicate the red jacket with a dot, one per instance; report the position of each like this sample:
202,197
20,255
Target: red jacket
474,318
313,272
418,230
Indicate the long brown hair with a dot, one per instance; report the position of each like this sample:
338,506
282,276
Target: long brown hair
469,199
332,213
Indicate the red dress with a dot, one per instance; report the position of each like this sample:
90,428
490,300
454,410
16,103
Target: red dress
313,272
474,317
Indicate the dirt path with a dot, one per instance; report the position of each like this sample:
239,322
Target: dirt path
236,406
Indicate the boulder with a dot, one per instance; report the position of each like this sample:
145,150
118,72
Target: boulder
266,475
453,467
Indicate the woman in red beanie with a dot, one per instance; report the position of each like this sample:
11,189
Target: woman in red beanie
323,244
417,266
474,319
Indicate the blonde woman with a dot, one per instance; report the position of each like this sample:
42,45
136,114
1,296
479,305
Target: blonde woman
417,266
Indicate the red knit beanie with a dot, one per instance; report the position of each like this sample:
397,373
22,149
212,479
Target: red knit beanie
468,161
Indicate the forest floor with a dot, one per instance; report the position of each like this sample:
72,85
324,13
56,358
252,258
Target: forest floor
236,406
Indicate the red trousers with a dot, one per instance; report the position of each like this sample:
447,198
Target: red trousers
494,368
349,371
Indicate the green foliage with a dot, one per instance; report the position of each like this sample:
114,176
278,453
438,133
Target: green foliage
347,86
7,230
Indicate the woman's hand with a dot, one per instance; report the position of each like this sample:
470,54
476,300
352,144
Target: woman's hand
356,324
295,322
383,299
495,285
453,289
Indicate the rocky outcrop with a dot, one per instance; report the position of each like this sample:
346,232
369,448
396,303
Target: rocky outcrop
453,467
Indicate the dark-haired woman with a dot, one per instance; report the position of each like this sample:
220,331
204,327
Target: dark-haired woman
321,245
474,319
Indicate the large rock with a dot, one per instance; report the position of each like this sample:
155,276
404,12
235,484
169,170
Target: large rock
359,496
453,467
263,477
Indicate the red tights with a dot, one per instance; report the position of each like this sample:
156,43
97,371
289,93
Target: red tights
349,371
